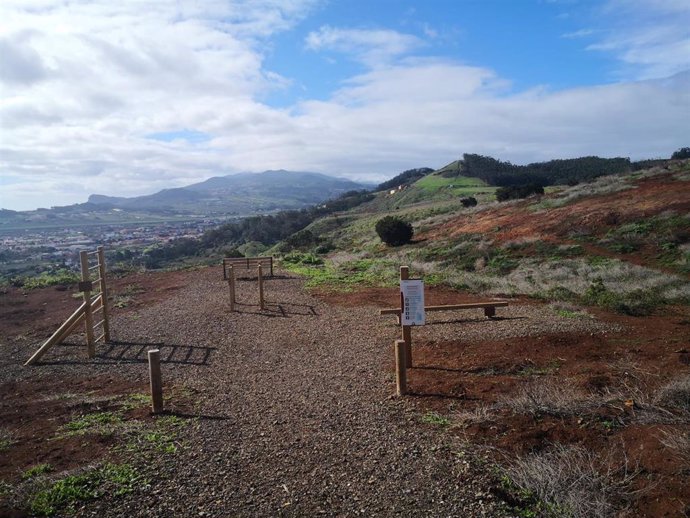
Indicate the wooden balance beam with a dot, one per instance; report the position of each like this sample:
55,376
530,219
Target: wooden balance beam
489,308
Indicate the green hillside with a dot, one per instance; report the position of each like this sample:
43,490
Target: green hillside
553,247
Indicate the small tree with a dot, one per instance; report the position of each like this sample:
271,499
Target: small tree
683,152
470,201
394,231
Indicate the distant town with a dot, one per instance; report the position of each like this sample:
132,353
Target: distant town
26,252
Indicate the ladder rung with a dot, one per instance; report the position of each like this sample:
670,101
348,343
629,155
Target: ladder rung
100,337
94,267
94,311
99,323
95,252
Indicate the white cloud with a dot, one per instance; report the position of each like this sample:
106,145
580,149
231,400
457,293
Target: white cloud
373,47
582,33
651,39
84,85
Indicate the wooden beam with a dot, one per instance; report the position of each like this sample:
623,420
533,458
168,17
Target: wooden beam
400,367
104,294
450,307
231,286
77,315
261,288
406,330
90,339
156,382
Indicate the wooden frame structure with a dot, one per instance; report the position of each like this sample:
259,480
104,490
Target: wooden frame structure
403,348
247,263
95,300
229,273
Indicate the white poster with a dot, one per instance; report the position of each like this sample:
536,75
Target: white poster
413,302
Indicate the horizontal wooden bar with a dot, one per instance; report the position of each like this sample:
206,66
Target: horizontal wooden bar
450,307
95,252
96,267
98,323
100,337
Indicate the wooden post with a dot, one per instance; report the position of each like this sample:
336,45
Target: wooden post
406,330
156,383
104,294
261,288
90,342
400,369
231,285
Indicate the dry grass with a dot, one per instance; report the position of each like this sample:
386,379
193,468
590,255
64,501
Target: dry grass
679,442
573,481
550,396
675,394
536,277
466,418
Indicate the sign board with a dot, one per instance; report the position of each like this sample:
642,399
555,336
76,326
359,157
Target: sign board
412,295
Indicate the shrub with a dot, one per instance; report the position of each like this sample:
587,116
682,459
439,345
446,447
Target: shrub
515,192
683,152
470,201
675,394
394,231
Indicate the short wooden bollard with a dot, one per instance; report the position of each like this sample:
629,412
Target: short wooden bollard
156,382
400,367
231,285
261,288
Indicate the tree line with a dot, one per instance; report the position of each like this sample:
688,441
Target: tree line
554,172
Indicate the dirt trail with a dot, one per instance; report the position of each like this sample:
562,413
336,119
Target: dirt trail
291,408
294,406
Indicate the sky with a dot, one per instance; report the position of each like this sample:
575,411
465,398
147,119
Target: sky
128,97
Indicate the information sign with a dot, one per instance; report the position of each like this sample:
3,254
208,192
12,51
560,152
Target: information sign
412,292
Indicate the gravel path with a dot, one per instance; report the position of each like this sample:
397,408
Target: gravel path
295,406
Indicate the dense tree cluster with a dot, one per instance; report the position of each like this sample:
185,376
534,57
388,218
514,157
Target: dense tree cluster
683,152
515,192
405,178
394,231
554,172
469,201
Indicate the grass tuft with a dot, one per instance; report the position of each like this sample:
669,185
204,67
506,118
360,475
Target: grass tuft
66,493
571,481
547,397
675,394
36,471
435,419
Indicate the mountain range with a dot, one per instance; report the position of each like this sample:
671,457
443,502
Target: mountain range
232,195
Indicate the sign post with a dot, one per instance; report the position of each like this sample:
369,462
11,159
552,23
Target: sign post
410,298
413,302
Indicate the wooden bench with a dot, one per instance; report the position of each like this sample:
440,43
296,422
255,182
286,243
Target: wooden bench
489,308
247,263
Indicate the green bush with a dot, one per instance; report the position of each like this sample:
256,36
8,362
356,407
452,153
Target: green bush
469,201
60,277
683,152
637,303
394,231
301,258
516,192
